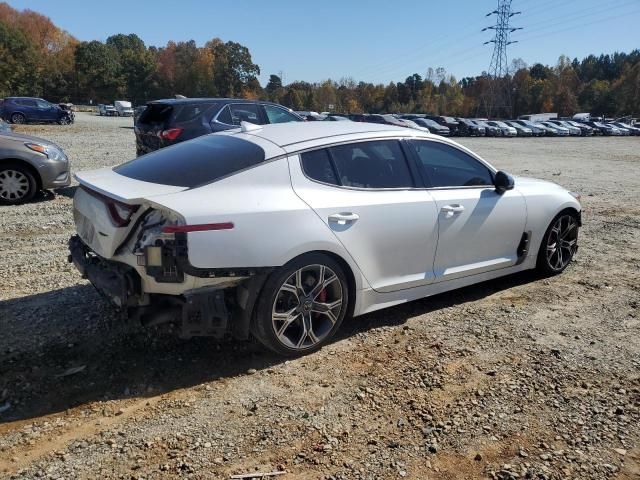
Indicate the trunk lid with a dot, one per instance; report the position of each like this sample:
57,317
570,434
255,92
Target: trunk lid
107,206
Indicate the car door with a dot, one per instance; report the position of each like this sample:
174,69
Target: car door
45,110
364,192
479,229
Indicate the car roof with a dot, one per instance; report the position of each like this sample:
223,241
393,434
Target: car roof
185,101
297,136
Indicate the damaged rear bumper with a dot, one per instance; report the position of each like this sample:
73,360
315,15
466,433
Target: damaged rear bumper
117,282
208,311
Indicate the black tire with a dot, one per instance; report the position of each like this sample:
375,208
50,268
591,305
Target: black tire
306,317
17,184
66,120
563,228
18,118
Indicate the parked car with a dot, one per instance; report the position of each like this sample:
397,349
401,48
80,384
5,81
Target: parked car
336,118
20,110
537,128
490,130
451,123
414,125
632,130
602,128
574,131
621,131
585,130
386,119
29,164
209,246
521,130
357,117
505,130
123,108
560,131
468,128
171,121
432,126
107,110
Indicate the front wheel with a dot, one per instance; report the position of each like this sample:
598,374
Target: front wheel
17,185
66,120
302,305
559,244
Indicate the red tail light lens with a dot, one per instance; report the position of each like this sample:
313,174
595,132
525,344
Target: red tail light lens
171,133
197,228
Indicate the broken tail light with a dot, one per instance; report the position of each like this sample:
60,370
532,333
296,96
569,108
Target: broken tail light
171,133
120,213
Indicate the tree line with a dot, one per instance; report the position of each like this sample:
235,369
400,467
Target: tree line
39,59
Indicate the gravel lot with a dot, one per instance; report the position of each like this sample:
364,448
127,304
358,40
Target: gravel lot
523,377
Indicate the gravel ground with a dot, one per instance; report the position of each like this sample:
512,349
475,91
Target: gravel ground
523,377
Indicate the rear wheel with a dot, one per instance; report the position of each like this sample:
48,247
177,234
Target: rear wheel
559,244
17,185
18,118
302,305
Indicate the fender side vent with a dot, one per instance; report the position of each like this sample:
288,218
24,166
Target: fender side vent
523,247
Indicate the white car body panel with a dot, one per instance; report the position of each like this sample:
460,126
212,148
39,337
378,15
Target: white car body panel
402,246
388,219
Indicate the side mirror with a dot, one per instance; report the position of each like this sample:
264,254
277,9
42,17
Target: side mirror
503,182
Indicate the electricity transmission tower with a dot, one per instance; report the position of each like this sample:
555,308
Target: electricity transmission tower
497,101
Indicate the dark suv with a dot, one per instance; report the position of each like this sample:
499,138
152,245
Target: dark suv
167,122
29,109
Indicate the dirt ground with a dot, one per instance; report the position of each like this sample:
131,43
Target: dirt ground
523,377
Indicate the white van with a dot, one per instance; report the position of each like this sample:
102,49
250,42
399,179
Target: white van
123,108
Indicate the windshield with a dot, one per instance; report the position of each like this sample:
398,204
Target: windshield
194,163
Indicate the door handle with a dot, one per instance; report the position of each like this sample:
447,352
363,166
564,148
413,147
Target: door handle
451,210
343,218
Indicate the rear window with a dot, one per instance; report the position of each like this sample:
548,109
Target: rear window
194,163
156,113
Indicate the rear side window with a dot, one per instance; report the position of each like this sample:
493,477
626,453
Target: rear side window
194,163
445,166
188,112
378,164
317,166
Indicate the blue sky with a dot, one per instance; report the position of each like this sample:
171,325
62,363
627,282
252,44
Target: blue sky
372,40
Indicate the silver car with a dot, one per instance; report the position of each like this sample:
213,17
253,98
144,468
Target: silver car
29,164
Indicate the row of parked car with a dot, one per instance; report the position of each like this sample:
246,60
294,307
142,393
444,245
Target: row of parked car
480,127
19,110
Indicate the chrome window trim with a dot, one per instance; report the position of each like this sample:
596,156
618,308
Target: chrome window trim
228,105
311,149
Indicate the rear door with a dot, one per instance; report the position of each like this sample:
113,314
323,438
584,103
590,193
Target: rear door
364,192
479,230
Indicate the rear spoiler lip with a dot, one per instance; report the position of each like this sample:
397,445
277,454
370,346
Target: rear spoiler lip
91,185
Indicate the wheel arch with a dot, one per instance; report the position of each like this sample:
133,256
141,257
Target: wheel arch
23,163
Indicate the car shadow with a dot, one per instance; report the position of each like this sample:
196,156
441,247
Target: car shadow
66,348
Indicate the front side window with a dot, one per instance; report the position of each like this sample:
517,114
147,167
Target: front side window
378,164
42,104
445,166
279,115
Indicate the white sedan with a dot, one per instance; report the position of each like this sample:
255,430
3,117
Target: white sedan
283,231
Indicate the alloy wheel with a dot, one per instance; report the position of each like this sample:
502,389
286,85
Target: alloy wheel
307,307
14,185
17,118
562,242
